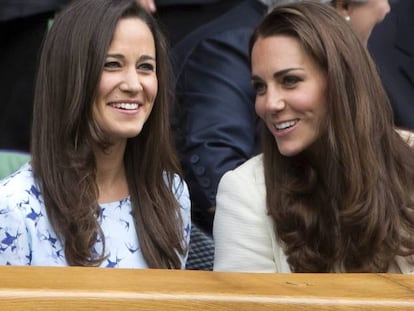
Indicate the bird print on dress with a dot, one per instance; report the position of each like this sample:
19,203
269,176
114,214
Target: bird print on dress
27,237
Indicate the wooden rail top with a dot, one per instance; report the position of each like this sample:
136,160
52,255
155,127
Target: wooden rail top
75,288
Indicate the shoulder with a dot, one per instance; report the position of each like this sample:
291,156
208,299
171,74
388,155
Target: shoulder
228,30
183,198
10,161
180,191
252,11
252,169
241,210
178,184
19,190
22,179
245,184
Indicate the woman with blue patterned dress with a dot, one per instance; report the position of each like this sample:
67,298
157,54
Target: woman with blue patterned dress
104,186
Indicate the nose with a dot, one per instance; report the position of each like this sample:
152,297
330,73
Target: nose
131,82
270,103
274,100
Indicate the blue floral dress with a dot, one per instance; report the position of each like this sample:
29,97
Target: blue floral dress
27,237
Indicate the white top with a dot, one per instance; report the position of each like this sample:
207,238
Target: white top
244,234
27,237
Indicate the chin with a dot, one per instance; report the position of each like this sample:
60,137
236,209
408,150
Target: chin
133,132
288,153
123,136
287,150
132,135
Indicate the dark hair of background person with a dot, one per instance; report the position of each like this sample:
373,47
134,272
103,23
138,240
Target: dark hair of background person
352,203
64,132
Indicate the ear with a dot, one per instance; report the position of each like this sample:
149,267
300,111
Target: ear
342,7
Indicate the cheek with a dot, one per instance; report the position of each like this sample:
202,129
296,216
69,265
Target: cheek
106,85
303,102
151,88
259,107
312,98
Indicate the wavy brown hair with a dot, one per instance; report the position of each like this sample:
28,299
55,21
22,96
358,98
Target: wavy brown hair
64,132
350,206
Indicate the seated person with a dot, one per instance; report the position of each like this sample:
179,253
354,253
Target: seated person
103,187
216,126
333,189
362,15
214,121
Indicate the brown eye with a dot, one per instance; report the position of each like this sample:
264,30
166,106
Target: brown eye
112,64
259,87
290,81
146,67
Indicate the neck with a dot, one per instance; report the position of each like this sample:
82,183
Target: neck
110,174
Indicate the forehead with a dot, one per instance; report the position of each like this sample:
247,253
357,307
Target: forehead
278,50
132,31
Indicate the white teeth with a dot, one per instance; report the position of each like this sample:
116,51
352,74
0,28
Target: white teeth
285,125
126,106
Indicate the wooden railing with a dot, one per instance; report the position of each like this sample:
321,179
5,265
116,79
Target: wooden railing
39,288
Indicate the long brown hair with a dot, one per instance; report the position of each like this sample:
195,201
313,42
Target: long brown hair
64,132
349,207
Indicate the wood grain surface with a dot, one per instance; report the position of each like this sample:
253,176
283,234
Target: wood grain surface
76,288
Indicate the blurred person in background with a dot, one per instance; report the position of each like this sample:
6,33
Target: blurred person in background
392,47
180,17
362,15
215,123
23,25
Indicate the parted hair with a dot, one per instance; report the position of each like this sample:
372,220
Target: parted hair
64,132
348,206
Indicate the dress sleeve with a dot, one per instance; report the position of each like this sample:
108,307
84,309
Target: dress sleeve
241,227
14,241
183,199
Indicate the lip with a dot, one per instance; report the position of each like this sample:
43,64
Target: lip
126,101
281,133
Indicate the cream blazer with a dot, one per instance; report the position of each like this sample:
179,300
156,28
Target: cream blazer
243,232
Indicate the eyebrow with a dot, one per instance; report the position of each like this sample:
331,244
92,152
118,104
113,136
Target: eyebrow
279,73
141,58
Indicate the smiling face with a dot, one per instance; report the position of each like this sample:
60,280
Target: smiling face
290,93
128,85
